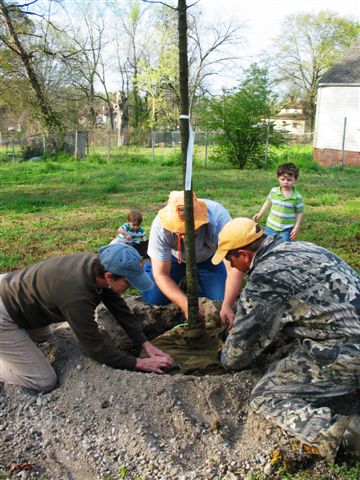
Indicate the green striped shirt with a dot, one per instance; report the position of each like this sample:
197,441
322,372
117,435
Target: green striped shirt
283,209
136,236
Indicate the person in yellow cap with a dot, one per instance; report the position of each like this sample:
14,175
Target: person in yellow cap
167,253
303,302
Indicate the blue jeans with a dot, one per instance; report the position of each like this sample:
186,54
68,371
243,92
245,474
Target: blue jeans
211,281
284,234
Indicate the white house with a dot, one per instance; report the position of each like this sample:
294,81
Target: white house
290,119
337,124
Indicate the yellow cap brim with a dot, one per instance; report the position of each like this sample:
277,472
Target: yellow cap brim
237,233
219,256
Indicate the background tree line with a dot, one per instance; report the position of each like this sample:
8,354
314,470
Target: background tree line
62,64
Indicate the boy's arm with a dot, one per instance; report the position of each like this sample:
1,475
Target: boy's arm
123,232
295,231
264,208
299,216
143,236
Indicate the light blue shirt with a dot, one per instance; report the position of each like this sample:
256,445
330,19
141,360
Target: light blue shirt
163,244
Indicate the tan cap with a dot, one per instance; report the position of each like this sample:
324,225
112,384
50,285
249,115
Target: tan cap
236,234
172,216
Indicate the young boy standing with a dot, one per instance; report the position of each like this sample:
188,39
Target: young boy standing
286,205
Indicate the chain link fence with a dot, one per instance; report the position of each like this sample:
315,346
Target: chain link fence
14,147
80,144
11,148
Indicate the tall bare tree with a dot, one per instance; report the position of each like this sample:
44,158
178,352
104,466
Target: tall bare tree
86,35
210,51
306,48
159,77
19,34
121,117
134,41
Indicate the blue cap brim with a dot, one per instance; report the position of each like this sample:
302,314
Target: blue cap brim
141,282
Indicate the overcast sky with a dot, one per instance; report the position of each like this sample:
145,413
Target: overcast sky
261,21
262,18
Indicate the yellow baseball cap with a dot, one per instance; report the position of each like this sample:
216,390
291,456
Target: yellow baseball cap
172,216
236,233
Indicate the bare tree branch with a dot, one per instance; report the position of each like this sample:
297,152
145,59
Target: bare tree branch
308,46
170,6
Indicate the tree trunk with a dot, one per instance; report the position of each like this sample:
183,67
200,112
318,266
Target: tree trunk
136,101
120,109
92,107
110,109
51,122
194,319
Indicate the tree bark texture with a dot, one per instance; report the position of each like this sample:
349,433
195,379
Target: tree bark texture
51,121
121,117
194,320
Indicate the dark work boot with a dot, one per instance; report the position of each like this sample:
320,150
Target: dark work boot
351,437
329,440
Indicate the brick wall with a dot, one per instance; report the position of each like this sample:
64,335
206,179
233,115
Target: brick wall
328,157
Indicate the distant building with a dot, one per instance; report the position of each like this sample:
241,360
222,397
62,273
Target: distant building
100,120
290,119
10,122
337,125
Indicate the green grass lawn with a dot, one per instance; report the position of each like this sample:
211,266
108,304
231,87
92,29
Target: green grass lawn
57,207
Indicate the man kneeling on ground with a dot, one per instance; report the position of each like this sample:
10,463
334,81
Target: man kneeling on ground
307,298
69,288
168,264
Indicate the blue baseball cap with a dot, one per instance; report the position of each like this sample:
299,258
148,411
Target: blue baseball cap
123,260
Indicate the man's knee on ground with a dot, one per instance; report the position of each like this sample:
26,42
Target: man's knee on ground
260,397
45,384
257,402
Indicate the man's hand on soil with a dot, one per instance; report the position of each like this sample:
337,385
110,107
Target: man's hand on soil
227,317
158,359
154,364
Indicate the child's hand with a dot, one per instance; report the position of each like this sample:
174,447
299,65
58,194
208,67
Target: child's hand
128,237
256,217
294,233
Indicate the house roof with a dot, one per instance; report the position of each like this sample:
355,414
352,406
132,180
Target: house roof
297,105
290,116
347,70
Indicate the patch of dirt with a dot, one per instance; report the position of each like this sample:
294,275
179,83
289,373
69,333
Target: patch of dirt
103,424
